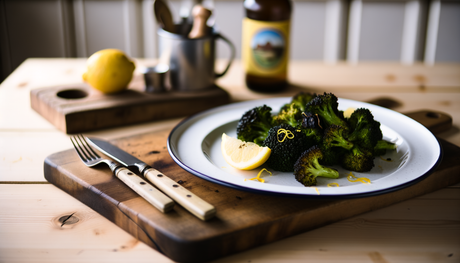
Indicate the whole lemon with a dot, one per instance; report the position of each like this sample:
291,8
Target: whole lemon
109,71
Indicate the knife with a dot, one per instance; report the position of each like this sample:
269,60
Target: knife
178,193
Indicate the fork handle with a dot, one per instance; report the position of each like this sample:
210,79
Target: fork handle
180,194
144,189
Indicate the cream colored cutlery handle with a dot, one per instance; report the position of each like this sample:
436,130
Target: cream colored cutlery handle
178,193
144,189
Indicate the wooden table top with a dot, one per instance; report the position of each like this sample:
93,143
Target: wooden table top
422,229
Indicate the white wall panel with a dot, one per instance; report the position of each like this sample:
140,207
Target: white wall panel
308,30
381,34
371,30
448,40
411,35
335,30
224,13
149,28
104,25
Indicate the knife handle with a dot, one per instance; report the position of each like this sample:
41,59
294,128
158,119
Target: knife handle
178,193
144,189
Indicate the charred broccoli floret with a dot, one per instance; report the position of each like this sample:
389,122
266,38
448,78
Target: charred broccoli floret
325,106
254,125
332,156
289,114
310,126
307,168
301,99
359,118
334,144
358,159
365,130
382,146
314,135
287,144
336,136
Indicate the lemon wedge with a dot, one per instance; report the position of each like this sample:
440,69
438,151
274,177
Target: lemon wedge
347,113
243,155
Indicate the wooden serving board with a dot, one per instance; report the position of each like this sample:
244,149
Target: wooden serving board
244,220
78,108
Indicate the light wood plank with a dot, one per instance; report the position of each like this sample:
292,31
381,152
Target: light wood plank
399,233
30,222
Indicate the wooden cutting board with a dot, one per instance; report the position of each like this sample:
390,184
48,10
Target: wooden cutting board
78,108
244,220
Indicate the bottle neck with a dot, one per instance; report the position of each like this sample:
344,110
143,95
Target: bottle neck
268,10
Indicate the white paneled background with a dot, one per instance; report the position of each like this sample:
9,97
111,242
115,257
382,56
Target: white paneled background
407,31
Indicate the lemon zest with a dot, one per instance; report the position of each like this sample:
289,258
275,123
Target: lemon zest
317,191
354,179
319,121
258,176
287,134
333,185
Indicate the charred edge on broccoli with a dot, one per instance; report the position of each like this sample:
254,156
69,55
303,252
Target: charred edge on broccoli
285,151
307,168
301,99
289,114
335,136
326,107
254,125
358,159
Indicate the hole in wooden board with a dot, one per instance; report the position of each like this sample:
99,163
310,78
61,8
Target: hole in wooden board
433,115
72,94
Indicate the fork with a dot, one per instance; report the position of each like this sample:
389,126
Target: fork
90,158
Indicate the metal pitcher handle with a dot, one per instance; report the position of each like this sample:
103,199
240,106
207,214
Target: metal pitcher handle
232,55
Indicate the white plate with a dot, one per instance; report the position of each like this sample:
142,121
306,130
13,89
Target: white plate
194,144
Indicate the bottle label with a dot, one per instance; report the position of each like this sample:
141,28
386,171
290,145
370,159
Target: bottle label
265,47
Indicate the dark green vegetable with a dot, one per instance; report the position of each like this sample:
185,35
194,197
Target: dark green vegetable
383,146
254,125
287,144
301,99
315,120
358,159
307,168
289,114
334,144
325,106
365,130
336,136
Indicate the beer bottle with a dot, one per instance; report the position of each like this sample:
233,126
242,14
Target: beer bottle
265,46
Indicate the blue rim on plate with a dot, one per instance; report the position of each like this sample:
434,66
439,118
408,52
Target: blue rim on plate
194,144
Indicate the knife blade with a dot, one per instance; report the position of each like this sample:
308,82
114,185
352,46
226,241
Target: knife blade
178,193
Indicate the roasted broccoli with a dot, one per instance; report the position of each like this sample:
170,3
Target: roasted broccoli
301,99
314,122
289,114
254,125
358,159
334,144
325,106
287,144
382,146
336,136
365,130
307,167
